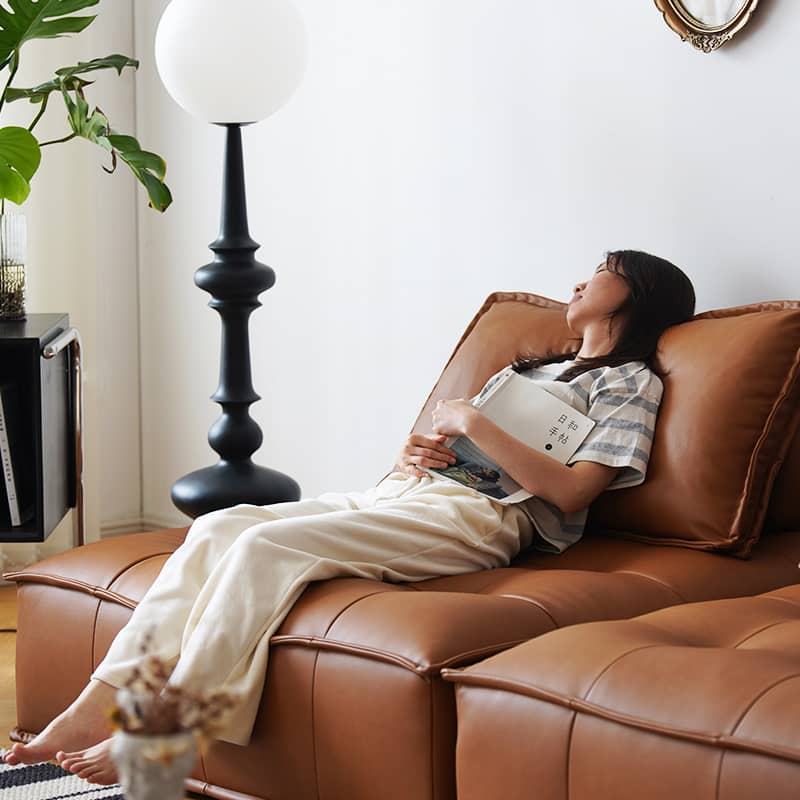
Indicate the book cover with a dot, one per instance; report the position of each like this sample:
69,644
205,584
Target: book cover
527,412
14,461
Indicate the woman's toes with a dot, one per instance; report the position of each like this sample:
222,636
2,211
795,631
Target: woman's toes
107,777
76,765
13,755
104,776
66,759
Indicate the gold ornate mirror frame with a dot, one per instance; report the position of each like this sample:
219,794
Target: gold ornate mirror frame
704,37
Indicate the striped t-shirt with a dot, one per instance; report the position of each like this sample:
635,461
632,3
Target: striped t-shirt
623,401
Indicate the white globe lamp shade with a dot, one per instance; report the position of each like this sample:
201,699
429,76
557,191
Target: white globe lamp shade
231,61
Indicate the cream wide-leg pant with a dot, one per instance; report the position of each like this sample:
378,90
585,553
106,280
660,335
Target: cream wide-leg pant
222,594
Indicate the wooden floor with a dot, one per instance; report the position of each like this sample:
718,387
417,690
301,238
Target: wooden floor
8,639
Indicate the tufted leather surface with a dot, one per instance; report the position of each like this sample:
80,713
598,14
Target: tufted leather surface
599,578
354,671
353,678
708,693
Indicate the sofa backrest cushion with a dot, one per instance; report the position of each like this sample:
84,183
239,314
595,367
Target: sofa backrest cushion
506,325
730,409
731,403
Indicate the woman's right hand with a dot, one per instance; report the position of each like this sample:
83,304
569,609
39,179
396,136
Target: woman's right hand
424,450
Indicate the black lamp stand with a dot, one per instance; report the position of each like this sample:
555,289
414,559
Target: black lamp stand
234,279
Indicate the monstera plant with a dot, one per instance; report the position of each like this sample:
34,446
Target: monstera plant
21,151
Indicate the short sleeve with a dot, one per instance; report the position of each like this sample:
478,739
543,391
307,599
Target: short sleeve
624,403
488,385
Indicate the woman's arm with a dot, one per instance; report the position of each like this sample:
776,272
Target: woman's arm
570,488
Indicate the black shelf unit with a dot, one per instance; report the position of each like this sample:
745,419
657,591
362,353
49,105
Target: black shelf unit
45,424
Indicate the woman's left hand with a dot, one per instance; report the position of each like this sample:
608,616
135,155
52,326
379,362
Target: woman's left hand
451,417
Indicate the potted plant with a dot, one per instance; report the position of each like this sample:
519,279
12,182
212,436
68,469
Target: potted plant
21,150
158,728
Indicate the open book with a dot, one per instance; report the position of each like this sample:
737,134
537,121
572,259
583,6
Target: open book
529,413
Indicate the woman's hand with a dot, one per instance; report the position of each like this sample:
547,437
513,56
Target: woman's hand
424,451
451,417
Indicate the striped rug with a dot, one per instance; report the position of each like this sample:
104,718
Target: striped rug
50,782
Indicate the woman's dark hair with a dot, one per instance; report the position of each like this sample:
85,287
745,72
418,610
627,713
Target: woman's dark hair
660,295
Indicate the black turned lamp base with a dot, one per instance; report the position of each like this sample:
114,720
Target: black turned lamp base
227,484
234,279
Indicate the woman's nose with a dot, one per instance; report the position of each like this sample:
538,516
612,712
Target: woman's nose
579,287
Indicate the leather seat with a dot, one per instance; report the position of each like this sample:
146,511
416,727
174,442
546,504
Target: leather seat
697,701
359,662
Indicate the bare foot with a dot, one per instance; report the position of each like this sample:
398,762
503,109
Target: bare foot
93,764
83,724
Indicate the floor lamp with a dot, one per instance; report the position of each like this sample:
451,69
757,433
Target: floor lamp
232,63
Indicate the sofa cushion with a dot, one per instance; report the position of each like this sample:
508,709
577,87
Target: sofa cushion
731,405
694,701
507,324
730,408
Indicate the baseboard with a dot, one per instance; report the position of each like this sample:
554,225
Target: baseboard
146,522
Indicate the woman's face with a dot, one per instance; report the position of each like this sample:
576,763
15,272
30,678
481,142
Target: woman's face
596,299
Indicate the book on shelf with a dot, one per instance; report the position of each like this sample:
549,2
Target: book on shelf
528,412
14,456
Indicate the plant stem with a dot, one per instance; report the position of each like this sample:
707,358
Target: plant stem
39,115
11,77
58,141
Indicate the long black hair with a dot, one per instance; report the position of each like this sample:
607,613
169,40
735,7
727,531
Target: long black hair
660,295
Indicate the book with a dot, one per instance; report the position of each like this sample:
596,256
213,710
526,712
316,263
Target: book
13,459
528,412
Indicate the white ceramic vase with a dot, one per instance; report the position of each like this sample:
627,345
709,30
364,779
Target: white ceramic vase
153,767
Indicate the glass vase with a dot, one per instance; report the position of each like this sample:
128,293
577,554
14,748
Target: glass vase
13,254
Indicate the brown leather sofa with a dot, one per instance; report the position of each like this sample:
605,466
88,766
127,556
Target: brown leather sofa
355,705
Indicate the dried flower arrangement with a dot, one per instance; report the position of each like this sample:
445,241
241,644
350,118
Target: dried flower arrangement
158,729
148,705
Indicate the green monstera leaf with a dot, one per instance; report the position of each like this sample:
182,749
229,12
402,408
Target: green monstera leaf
149,168
19,159
116,61
42,92
25,20
68,78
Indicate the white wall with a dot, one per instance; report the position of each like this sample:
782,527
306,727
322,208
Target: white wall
437,151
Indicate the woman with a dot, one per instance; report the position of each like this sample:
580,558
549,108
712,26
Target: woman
230,585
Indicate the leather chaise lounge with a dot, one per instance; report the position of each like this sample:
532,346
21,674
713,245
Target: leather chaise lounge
693,701
360,697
